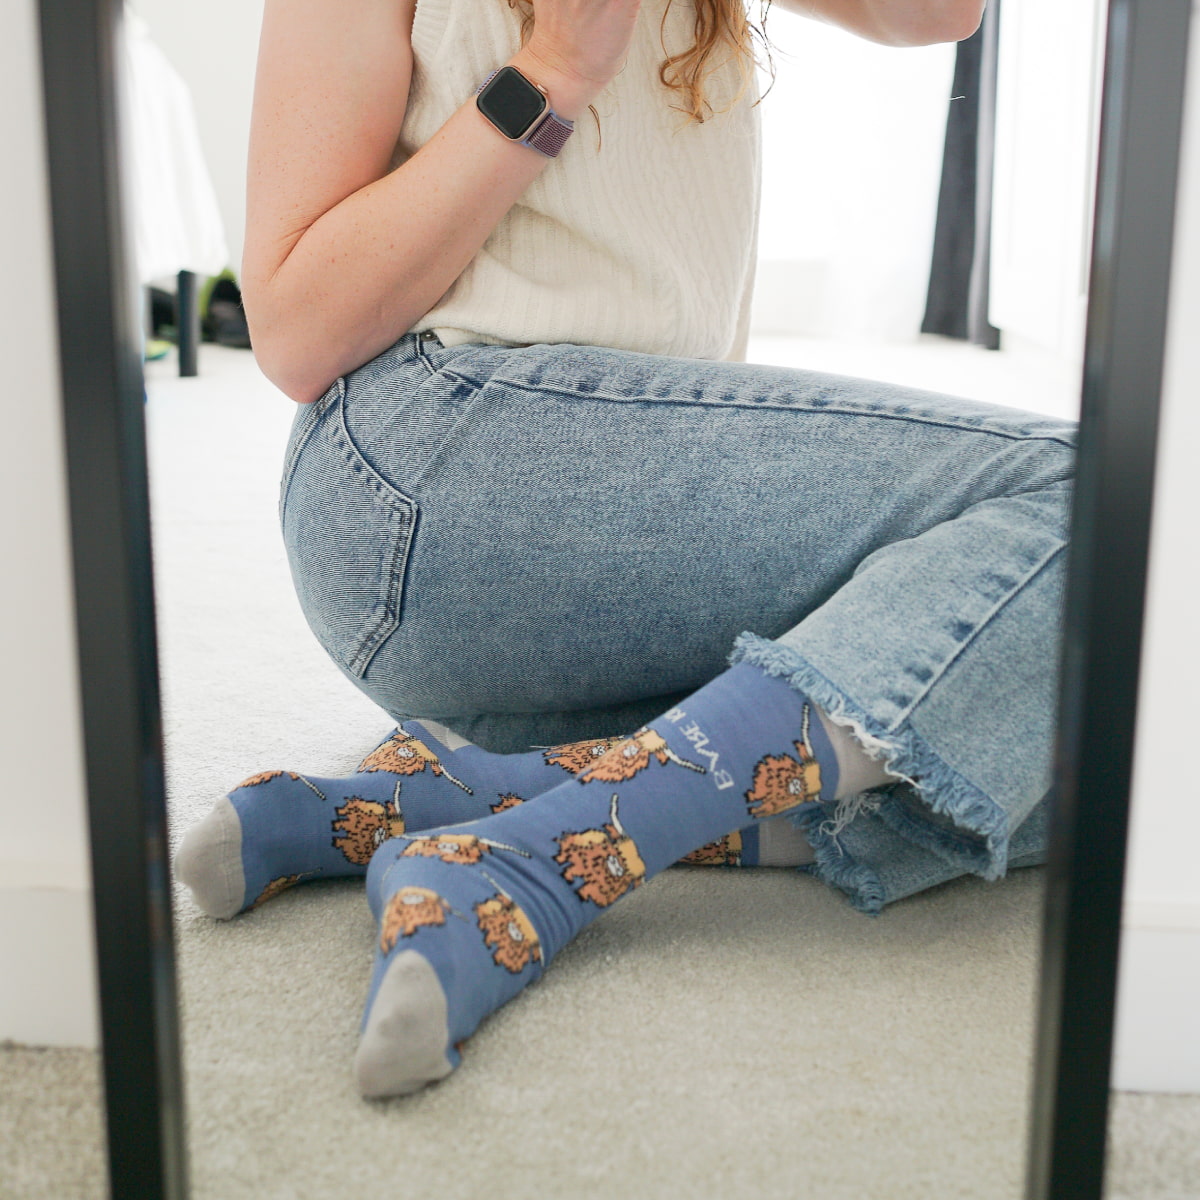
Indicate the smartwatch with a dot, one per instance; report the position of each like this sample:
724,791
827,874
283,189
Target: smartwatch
520,109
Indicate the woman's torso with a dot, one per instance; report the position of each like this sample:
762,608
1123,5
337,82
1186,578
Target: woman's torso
646,243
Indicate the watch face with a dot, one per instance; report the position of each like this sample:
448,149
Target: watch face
511,102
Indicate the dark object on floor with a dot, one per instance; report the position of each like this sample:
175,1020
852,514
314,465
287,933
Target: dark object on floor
162,314
224,320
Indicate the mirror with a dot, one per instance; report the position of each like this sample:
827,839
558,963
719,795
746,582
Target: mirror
959,962
234,968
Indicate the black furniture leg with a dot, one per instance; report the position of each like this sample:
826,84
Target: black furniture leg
187,322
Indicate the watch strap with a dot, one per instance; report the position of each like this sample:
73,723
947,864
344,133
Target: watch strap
487,81
549,133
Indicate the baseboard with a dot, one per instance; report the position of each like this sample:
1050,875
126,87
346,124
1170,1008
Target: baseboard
1158,996
47,963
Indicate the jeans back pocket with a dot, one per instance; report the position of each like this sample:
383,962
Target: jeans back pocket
347,532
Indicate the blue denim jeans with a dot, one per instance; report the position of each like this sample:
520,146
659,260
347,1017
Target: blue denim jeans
542,543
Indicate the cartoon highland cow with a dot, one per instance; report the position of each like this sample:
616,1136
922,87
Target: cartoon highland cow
464,848
410,909
280,885
266,776
263,777
364,825
724,852
510,933
607,860
782,782
507,800
404,754
633,754
577,756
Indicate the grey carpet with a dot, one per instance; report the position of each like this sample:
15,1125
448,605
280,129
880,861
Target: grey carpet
717,1034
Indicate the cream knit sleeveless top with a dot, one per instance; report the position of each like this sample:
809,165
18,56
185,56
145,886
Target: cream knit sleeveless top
647,243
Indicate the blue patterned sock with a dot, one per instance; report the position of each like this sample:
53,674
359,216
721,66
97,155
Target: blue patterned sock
469,915
280,828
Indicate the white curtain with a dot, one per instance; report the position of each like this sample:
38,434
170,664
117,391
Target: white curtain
852,156
172,219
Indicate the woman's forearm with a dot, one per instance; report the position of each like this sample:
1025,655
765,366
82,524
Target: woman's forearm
365,272
896,22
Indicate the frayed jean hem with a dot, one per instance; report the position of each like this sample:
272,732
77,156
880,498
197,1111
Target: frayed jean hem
951,826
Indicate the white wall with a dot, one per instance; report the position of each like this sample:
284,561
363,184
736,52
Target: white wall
47,962
1157,1043
1049,83
852,157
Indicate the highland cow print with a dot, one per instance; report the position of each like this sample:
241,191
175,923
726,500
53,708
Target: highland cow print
404,754
449,847
724,852
631,755
264,777
462,848
363,826
509,932
507,800
275,887
782,782
578,756
606,861
267,776
410,909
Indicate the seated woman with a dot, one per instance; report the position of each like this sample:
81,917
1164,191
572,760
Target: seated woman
630,599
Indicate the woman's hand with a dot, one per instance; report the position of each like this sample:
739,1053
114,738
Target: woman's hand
583,39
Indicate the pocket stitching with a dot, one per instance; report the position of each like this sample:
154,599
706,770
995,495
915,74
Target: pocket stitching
396,567
394,564
336,391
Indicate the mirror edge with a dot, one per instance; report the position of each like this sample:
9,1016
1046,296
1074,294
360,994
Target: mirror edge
104,433
1137,172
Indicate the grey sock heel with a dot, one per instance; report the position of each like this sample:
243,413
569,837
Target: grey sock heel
404,1044
209,862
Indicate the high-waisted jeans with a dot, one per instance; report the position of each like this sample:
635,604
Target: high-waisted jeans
553,542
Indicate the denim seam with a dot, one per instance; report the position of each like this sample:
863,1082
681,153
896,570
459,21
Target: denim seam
913,418
399,507
335,391
423,358
987,619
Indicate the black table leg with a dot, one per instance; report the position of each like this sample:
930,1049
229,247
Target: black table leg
187,322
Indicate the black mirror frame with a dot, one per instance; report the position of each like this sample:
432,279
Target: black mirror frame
108,502
1144,78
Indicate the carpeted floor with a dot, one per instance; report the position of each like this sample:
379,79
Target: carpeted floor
717,1034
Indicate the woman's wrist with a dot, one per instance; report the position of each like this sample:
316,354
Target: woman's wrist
569,94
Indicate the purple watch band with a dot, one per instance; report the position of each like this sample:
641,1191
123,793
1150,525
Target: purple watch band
549,133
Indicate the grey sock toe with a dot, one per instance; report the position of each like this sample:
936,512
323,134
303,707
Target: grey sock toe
209,862
404,1044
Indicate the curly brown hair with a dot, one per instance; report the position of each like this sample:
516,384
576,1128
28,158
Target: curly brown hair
719,24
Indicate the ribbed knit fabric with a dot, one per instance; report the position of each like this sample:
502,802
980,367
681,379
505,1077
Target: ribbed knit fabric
645,243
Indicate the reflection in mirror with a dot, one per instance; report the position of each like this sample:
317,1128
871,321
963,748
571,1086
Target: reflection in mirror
714,1021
